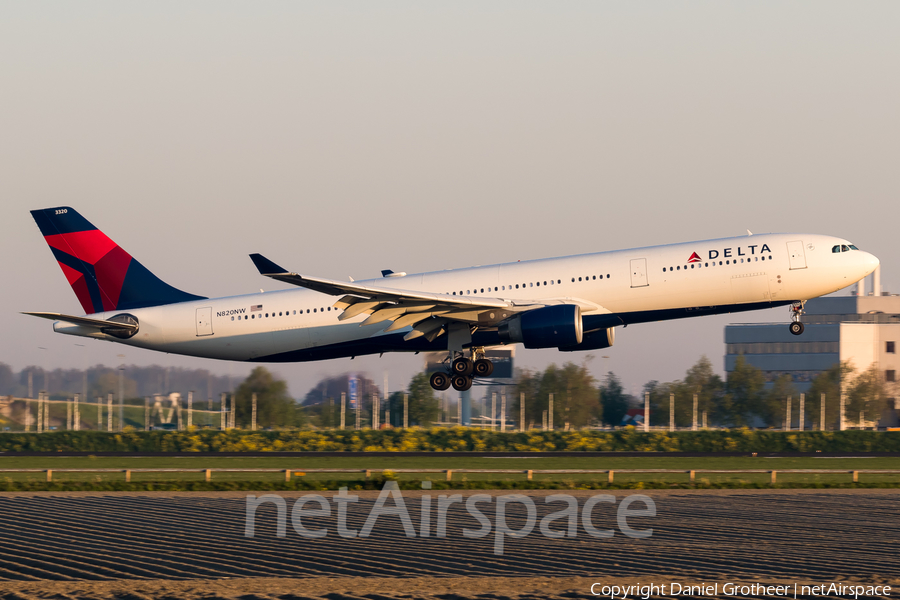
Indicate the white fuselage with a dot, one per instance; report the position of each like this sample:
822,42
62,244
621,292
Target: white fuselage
637,285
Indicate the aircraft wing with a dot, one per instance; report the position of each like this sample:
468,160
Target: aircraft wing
428,313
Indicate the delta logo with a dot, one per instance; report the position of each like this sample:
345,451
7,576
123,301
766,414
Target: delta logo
748,250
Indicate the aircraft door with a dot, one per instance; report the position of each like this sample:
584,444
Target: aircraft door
639,272
796,255
204,321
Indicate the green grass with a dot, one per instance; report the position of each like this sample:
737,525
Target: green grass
376,464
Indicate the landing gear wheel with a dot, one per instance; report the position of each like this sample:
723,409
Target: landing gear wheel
483,367
796,327
462,366
440,381
461,383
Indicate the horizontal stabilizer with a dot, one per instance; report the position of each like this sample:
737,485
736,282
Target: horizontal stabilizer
122,329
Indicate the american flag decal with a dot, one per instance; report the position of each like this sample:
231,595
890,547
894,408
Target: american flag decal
256,307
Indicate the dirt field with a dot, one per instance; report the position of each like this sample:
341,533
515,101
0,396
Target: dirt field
182,545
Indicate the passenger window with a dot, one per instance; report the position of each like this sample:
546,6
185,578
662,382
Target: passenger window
517,286
664,269
607,275
252,316
314,310
573,280
678,267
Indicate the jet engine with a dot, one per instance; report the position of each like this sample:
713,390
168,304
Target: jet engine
549,327
594,340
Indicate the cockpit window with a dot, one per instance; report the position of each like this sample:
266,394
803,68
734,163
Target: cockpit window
836,249
852,247
845,249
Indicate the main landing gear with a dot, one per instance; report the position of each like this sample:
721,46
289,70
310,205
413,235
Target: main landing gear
463,370
796,327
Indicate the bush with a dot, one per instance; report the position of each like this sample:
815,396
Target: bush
451,439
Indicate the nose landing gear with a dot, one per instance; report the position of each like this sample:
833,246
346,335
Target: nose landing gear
796,326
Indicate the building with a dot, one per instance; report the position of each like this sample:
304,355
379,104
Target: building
861,329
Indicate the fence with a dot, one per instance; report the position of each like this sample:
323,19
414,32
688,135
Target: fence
529,473
178,415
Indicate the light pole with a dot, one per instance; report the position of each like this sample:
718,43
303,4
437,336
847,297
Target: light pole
43,412
84,376
121,393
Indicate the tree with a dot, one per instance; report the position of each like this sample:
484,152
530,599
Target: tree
866,395
274,407
832,383
575,395
745,390
613,400
108,383
701,380
423,404
773,405
7,380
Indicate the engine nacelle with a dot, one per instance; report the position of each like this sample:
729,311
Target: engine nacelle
549,327
594,340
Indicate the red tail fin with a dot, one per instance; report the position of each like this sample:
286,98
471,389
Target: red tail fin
103,276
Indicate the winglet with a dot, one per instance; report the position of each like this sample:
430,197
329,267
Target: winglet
266,266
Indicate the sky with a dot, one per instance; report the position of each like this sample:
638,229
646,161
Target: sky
342,138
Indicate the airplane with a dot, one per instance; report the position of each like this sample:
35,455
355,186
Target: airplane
571,303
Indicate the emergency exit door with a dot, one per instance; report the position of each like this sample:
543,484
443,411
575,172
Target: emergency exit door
638,272
796,255
204,321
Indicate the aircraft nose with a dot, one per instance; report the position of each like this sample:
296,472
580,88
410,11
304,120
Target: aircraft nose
870,262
